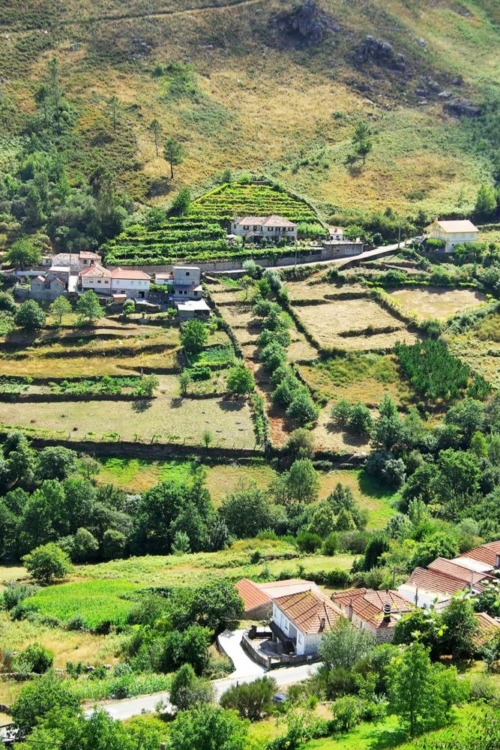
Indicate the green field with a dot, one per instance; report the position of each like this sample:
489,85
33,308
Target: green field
95,601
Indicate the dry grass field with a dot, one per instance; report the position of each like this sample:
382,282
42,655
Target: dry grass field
37,366
327,323
357,377
315,289
437,303
328,437
167,418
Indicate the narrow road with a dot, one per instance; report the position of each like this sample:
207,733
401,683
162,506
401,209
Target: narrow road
246,670
377,252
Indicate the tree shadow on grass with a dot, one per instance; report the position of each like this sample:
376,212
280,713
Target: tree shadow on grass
142,405
231,405
373,487
387,738
176,403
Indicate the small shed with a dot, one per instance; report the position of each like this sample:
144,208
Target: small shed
193,309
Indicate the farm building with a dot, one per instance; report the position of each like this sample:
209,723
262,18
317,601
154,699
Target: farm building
258,597
300,620
48,288
257,228
452,233
336,234
375,611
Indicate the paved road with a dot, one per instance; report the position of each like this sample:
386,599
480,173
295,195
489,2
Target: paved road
245,671
377,252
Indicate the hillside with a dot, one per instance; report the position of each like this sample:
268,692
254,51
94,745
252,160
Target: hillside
266,86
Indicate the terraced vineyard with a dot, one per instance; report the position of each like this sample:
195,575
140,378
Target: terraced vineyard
228,201
201,235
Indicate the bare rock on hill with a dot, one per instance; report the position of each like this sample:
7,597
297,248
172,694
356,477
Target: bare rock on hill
381,52
305,22
462,108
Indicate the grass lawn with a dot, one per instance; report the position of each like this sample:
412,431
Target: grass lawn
368,491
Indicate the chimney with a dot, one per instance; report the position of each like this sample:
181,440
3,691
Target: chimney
497,561
350,611
387,611
416,596
322,624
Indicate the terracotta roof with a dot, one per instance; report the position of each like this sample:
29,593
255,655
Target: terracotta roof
433,581
89,254
486,553
454,570
252,596
368,605
309,612
128,274
265,221
95,271
450,227
487,628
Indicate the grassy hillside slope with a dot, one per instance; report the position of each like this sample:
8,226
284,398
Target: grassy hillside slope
250,91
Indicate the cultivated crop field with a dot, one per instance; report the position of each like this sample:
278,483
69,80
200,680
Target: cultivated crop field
330,322
437,303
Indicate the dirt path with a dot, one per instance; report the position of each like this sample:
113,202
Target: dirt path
110,18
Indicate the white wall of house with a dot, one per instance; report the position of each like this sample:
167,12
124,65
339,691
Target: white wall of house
130,287
102,286
452,239
253,230
305,643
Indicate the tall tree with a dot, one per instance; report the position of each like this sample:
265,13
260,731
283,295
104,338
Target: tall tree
88,307
174,153
23,253
59,308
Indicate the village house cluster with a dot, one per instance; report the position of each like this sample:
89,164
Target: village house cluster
296,613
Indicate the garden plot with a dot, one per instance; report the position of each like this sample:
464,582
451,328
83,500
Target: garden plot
437,303
164,419
330,322
37,366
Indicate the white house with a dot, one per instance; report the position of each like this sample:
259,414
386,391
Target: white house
258,597
97,278
193,309
75,261
186,284
300,620
336,234
375,611
452,233
258,228
132,283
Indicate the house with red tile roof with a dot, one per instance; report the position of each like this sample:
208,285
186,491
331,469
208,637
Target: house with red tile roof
258,597
300,620
119,281
375,611
258,228
488,553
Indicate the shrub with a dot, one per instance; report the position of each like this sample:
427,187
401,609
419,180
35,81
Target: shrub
252,700
302,408
308,542
346,713
47,563
36,658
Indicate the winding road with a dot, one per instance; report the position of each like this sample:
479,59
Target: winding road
245,670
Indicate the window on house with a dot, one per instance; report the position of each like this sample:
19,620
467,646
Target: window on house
187,273
99,281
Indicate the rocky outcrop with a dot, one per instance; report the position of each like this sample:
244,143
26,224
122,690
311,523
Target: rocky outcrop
381,52
306,22
462,108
